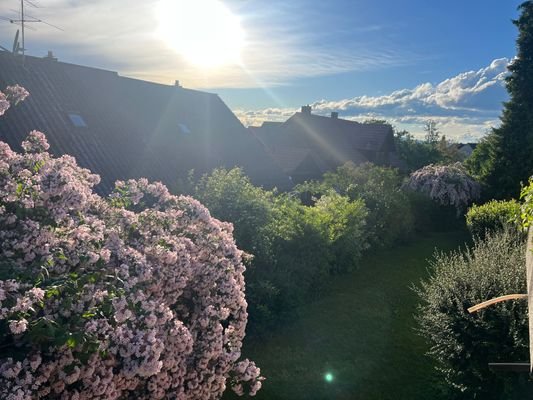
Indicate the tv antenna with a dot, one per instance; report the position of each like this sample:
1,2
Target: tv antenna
20,47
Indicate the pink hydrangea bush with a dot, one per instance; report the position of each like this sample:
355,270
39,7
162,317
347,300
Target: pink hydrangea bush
447,185
138,296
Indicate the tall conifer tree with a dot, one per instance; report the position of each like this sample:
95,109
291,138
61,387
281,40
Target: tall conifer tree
505,158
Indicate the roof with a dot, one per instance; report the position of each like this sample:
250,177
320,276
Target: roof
334,141
125,128
361,136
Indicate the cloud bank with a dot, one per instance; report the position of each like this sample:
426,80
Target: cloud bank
464,106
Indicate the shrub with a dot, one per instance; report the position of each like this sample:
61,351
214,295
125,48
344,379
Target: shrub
230,196
464,344
341,223
303,253
492,216
139,296
447,185
389,213
294,247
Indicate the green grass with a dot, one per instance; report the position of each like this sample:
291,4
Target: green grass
358,341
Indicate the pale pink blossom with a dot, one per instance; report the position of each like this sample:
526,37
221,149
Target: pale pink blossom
18,327
133,281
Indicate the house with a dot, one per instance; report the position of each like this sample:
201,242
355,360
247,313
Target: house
124,128
466,149
307,145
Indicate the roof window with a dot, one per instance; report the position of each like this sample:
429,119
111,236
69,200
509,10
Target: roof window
184,129
77,120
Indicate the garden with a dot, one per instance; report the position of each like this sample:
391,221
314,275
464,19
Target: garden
356,285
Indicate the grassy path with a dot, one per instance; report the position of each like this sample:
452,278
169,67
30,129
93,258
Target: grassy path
361,333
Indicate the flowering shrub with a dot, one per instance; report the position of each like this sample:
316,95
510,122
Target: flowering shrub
11,95
137,296
447,185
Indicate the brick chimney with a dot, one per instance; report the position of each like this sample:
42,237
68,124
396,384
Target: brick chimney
334,115
306,110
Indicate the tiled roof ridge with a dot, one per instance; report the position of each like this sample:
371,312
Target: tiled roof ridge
99,70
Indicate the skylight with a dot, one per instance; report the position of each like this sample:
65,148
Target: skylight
77,120
184,129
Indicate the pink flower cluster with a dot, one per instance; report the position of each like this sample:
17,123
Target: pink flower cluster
140,295
448,185
12,95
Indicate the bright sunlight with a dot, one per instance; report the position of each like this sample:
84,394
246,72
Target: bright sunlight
204,32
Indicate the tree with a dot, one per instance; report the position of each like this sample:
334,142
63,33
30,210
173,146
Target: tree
448,151
432,132
505,158
415,153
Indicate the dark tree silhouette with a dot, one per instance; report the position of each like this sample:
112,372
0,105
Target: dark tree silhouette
505,158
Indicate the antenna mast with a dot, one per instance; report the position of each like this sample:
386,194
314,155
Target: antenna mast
22,23
23,20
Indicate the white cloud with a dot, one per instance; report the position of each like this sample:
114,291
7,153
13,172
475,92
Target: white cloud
465,106
122,35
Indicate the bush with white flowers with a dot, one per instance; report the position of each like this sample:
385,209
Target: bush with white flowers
447,185
137,296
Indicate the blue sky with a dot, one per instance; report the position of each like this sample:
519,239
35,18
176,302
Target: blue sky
405,61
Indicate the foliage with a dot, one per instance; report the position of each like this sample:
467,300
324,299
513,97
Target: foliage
230,196
342,223
464,344
493,216
389,217
447,185
294,247
504,159
138,296
526,210
417,154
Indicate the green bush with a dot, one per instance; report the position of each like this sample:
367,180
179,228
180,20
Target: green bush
295,247
492,216
429,216
390,218
342,224
303,254
230,196
464,344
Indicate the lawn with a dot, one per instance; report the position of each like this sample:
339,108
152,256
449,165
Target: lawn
359,340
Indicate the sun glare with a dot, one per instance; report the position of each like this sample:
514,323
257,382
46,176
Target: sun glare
205,32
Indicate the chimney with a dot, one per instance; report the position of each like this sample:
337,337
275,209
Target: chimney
177,83
306,110
334,115
50,56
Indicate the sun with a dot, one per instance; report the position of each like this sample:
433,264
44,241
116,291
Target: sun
205,32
